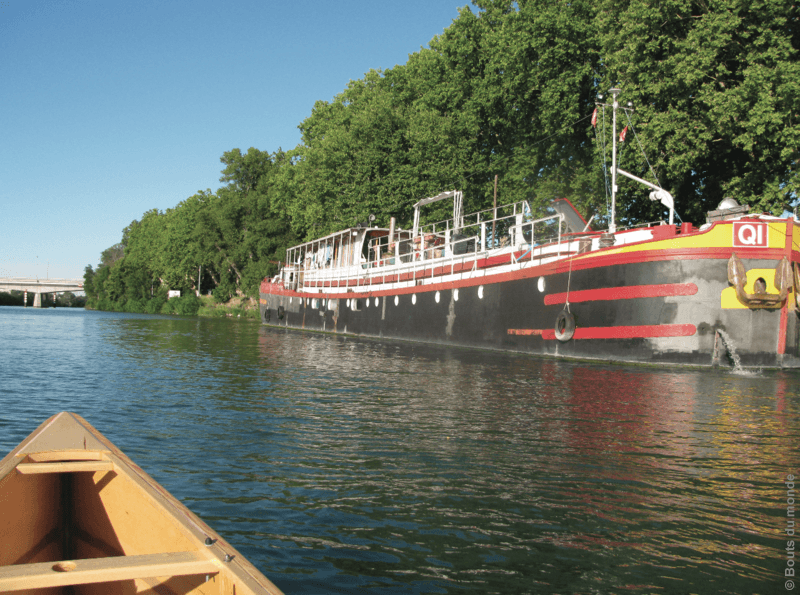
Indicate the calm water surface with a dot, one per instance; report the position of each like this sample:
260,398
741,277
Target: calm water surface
340,465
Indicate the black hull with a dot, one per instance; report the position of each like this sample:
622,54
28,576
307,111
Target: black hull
686,327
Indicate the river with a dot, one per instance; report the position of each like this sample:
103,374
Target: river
337,465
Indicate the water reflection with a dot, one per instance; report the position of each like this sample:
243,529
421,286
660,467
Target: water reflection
648,466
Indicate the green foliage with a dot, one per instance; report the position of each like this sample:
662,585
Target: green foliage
11,298
112,254
88,281
186,305
717,90
155,304
70,300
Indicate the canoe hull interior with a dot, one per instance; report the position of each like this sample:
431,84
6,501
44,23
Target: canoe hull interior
90,521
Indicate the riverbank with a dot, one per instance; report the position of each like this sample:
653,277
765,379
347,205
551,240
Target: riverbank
189,305
233,308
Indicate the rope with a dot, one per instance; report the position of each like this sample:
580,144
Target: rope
569,280
650,167
641,148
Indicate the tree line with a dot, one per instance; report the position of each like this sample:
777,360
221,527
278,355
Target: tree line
506,90
66,299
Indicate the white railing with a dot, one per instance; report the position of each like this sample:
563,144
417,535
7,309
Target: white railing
419,258
440,246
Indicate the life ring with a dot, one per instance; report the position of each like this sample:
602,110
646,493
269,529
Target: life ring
280,312
565,326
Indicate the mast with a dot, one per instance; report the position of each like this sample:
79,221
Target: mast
658,194
612,226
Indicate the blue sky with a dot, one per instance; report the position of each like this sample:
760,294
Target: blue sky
111,108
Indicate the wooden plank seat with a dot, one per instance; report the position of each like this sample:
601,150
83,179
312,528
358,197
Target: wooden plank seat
101,570
65,467
66,455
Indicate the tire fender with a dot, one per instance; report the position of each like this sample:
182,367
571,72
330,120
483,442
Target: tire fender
565,326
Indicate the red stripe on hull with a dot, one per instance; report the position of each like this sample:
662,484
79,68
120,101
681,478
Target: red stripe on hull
617,332
599,260
782,329
621,293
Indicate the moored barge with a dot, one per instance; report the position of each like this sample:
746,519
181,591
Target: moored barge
500,279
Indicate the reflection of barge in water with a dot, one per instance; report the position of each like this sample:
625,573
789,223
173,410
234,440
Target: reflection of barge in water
499,279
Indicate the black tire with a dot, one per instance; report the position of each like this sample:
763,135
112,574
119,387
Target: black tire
565,326
280,312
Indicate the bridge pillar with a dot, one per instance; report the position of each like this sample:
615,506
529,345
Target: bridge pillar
37,300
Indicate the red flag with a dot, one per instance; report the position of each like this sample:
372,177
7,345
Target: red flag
623,134
594,118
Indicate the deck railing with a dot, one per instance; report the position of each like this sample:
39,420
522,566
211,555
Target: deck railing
442,245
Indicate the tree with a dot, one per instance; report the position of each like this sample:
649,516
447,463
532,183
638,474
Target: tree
716,87
112,254
88,283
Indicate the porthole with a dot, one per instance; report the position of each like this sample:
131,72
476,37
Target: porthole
480,292
348,302
315,303
414,299
540,284
367,301
376,302
396,300
290,299
437,297
455,295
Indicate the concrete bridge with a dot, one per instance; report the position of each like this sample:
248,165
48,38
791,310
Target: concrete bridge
39,286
